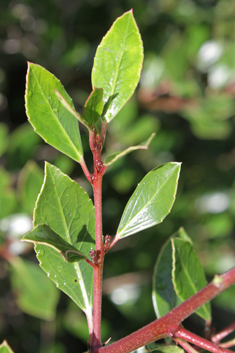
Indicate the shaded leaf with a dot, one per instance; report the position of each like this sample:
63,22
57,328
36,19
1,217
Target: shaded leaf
152,347
68,211
29,185
48,116
94,106
118,63
8,201
4,138
188,274
151,201
35,293
115,156
164,295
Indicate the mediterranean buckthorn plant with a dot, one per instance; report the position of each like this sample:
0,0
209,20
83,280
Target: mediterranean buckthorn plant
68,235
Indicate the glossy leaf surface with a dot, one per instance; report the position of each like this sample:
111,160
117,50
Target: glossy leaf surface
43,234
35,293
94,106
164,295
151,201
188,274
68,211
48,116
5,348
118,64
115,156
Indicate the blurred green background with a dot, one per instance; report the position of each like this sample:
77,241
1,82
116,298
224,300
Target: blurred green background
186,95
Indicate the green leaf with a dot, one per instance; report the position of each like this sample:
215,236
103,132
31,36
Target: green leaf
5,348
152,347
151,201
35,293
68,211
48,116
4,138
29,185
72,111
188,274
8,201
43,234
94,106
164,295
118,64
115,156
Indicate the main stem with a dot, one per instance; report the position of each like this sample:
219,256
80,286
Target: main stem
98,269
96,144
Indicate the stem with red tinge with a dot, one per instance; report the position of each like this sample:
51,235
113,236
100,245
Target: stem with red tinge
170,323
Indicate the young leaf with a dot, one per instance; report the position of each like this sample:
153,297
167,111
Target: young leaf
115,156
151,201
68,211
48,116
5,348
164,295
35,293
188,274
94,106
43,234
118,64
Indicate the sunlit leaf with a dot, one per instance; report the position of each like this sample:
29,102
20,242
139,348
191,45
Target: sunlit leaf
5,348
151,201
118,63
68,211
48,116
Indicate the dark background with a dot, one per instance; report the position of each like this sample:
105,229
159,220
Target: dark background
186,94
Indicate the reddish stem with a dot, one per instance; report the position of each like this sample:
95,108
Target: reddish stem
199,341
96,144
98,269
85,170
187,347
168,324
225,332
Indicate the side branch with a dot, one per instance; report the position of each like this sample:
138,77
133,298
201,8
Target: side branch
169,324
